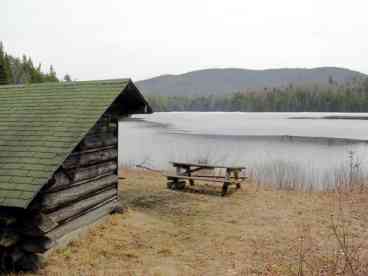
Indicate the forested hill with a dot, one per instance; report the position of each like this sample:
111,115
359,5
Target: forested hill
15,70
222,82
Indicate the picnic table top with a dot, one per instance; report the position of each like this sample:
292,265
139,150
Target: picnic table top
184,164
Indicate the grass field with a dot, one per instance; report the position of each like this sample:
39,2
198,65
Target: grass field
253,231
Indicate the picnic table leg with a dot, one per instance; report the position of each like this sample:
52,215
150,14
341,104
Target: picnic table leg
174,183
224,188
226,182
176,180
191,181
178,170
237,180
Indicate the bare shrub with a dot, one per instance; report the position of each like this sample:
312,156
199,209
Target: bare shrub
304,248
350,175
348,255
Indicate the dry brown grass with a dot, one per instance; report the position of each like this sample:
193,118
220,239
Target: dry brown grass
250,232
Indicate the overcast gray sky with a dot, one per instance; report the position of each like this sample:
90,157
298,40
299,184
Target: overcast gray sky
141,39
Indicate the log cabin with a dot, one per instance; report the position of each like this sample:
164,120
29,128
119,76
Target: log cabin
58,162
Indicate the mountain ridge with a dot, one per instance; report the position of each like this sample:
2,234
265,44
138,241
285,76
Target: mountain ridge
224,81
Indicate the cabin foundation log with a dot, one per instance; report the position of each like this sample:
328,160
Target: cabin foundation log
83,220
36,245
82,205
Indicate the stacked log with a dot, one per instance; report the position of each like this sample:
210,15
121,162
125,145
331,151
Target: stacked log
83,190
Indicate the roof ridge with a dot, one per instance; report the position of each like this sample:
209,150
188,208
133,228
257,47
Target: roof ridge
72,83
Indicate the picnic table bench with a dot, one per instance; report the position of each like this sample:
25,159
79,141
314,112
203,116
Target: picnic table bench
184,172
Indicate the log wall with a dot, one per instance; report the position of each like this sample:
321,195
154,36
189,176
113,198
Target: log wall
83,190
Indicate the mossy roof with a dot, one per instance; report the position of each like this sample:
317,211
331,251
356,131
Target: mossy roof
40,125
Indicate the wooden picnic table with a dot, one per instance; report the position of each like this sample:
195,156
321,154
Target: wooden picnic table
184,171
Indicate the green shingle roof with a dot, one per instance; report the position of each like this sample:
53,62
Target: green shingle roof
40,125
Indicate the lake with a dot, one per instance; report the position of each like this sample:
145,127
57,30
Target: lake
286,149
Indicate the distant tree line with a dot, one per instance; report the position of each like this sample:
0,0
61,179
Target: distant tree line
349,97
14,70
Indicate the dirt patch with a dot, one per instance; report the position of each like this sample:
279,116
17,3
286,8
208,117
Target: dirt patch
251,232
